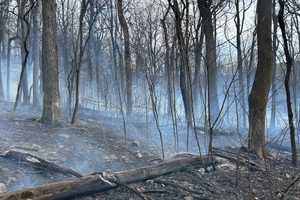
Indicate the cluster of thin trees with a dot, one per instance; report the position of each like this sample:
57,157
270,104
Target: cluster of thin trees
201,59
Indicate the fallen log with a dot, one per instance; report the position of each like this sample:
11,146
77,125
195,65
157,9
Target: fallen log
38,162
97,183
238,156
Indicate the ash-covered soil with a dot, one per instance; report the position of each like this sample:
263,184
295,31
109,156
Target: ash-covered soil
85,148
277,181
91,147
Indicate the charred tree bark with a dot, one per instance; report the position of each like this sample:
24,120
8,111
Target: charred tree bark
289,64
127,55
104,181
262,82
51,104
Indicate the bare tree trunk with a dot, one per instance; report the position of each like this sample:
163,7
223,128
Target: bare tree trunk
262,82
153,98
66,56
127,56
24,51
289,64
1,82
211,57
95,54
167,61
51,104
24,81
241,95
78,54
173,84
8,69
197,76
66,70
250,62
274,93
4,7
25,31
117,75
35,54
185,87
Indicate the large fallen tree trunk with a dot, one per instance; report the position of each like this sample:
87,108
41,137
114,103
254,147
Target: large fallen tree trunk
38,162
103,181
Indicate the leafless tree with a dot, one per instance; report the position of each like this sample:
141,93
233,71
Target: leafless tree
262,82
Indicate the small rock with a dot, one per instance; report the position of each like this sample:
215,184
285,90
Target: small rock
202,171
3,188
139,155
279,195
188,198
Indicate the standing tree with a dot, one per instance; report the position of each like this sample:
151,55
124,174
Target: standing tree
78,55
275,46
127,56
23,31
183,44
239,25
35,54
289,64
262,82
51,108
3,21
206,12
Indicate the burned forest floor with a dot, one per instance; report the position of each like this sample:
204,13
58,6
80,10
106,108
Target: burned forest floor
85,148
89,147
